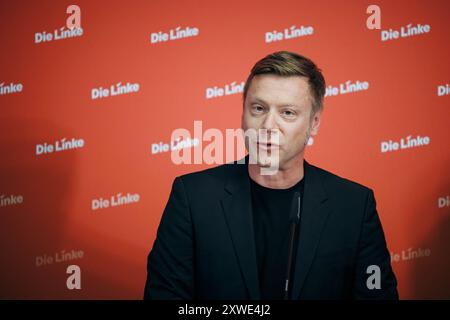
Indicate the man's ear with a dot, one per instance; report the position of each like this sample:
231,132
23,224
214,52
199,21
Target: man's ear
316,123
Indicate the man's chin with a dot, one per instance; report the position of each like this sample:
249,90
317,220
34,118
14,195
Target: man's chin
265,161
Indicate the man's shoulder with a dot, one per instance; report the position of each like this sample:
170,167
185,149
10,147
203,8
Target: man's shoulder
217,174
333,181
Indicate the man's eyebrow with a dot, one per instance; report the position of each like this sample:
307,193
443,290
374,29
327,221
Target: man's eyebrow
258,100
255,99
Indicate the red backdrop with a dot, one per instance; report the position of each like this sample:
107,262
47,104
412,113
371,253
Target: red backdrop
46,204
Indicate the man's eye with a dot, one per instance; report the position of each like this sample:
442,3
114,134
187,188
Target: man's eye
288,113
258,109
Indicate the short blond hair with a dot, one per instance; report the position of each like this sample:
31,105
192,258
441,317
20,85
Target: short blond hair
286,64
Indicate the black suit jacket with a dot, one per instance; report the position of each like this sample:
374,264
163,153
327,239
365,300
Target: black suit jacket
205,247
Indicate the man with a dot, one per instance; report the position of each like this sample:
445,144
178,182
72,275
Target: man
224,233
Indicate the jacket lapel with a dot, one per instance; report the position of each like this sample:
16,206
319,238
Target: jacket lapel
238,213
315,210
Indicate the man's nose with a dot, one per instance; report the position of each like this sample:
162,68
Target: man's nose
269,122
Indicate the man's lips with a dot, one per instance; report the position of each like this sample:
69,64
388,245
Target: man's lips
267,144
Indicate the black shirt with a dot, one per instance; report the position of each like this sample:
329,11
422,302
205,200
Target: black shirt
271,210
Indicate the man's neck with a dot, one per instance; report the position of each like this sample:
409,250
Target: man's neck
286,176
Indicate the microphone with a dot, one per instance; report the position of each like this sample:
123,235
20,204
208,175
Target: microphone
294,218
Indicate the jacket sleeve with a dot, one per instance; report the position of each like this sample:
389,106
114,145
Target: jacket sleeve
374,278
170,272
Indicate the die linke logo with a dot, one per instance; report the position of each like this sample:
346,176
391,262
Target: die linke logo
410,254
10,200
405,143
59,145
346,87
443,90
407,31
57,34
115,201
228,89
288,33
58,257
444,202
114,90
174,145
10,88
173,34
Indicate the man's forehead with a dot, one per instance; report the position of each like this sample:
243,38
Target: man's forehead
280,92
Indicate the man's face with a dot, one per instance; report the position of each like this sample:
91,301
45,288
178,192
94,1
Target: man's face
280,105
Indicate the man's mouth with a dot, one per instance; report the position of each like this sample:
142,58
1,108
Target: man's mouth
267,145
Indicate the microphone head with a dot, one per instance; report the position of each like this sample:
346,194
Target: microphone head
295,208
